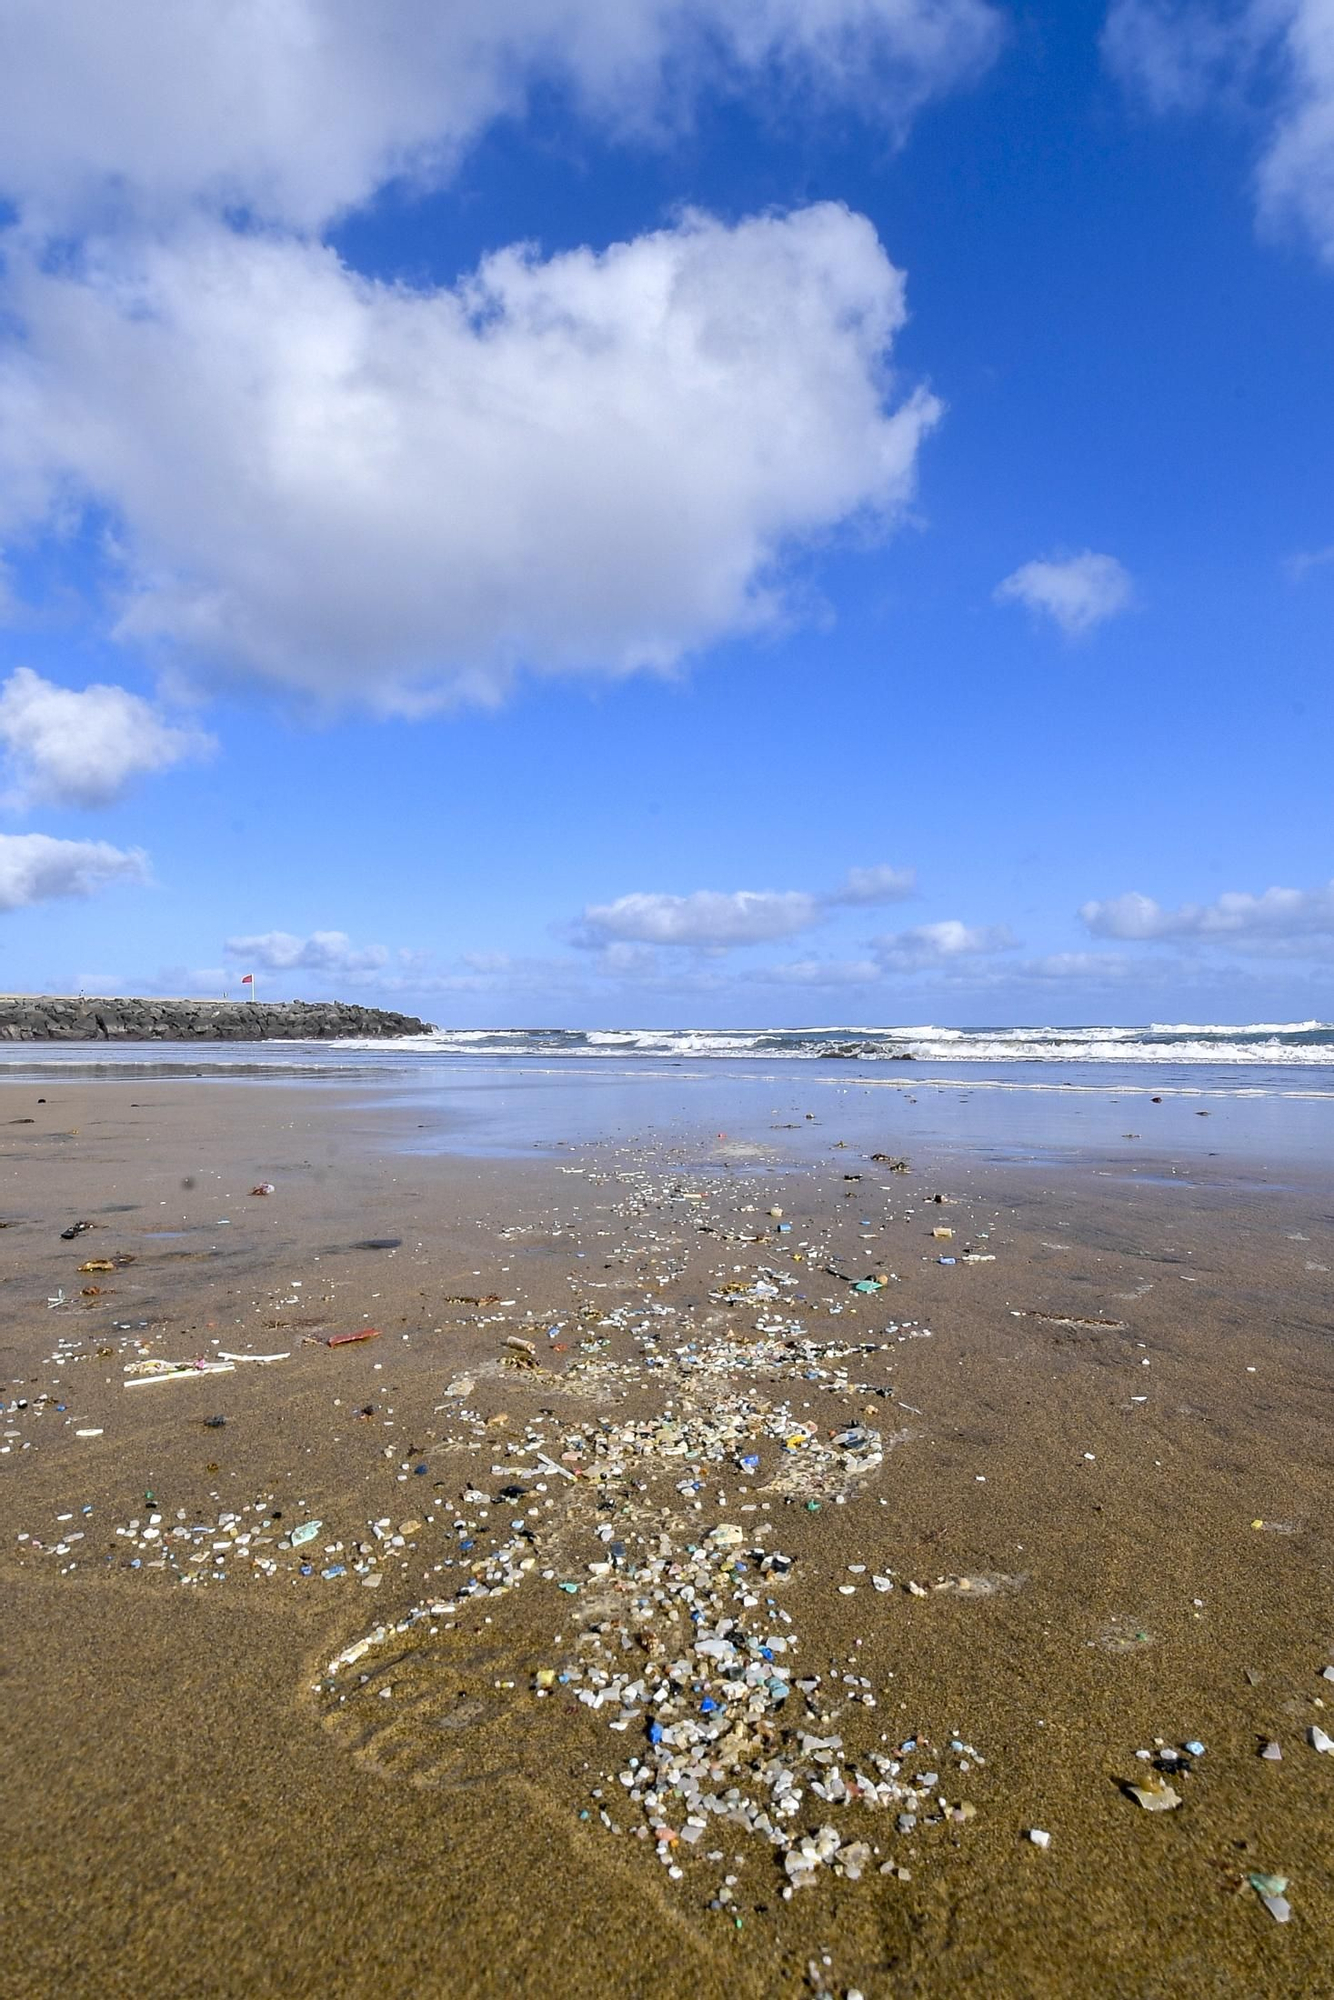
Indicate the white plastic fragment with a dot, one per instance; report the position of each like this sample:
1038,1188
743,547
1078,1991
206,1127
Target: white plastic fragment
1157,1797
176,1371
1270,1889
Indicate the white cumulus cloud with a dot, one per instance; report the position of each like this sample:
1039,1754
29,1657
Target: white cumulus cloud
1271,61
322,951
1275,915
298,110
84,746
942,944
35,868
1078,591
708,917
714,919
593,461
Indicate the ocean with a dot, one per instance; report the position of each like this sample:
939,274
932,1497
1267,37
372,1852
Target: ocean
1263,1091
1267,1044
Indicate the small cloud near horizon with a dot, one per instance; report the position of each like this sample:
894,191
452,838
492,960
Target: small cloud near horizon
322,951
1276,915
941,944
719,919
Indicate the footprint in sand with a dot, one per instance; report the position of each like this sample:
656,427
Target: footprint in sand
427,1710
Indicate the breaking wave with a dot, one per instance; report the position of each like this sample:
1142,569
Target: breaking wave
1268,1043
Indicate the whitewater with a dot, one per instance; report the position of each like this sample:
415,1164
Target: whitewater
1262,1044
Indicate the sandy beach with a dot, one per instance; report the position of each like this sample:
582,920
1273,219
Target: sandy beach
1024,1525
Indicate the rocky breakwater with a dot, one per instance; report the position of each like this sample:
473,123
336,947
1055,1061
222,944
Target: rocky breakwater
37,1018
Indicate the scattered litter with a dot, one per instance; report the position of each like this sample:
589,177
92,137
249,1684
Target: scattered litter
1156,1796
1067,1319
685,1647
728,1721
141,1373
1270,1889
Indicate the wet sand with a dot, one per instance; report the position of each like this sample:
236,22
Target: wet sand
195,1804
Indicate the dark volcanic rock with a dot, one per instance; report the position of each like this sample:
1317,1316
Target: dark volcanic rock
31,1018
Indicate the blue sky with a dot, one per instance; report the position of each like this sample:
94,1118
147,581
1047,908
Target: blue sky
669,512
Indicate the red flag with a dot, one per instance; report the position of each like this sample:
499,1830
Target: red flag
247,979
